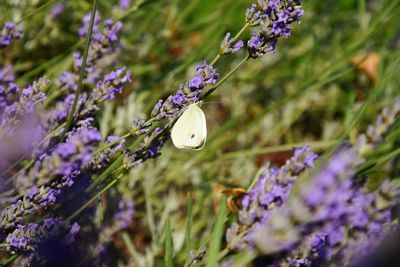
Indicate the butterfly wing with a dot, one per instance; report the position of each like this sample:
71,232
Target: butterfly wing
190,130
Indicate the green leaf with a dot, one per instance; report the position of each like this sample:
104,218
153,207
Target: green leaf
216,235
168,257
188,223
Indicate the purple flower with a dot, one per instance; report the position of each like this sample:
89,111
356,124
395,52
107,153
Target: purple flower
112,84
125,213
57,10
39,242
10,32
196,82
124,4
68,80
178,98
86,20
271,191
322,216
208,73
274,19
229,46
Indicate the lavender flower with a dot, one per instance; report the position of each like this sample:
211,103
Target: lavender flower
21,106
85,27
62,165
326,211
125,213
271,191
8,88
273,18
149,148
39,242
102,158
229,46
57,10
188,92
375,132
124,4
10,32
103,51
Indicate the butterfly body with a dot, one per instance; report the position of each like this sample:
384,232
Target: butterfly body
190,130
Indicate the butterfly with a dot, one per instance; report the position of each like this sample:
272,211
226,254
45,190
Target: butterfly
190,130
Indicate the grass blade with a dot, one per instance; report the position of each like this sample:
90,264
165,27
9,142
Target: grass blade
216,235
168,257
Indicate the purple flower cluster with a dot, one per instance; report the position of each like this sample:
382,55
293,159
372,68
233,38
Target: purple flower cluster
149,148
375,132
38,240
273,19
103,49
17,106
57,166
8,87
103,52
51,175
10,32
188,92
271,190
332,219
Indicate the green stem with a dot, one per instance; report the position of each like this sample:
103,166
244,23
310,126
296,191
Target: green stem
82,70
215,60
240,32
234,39
36,10
210,91
101,149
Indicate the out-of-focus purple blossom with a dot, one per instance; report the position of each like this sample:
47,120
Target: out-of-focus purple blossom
62,165
8,89
124,4
86,20
38,242
10,32
328,215
21,106
375,132
271,190
121,220
20,144
274,19
125,213
69,81
57,10
229,46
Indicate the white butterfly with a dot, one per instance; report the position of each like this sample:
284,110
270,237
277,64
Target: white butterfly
190,130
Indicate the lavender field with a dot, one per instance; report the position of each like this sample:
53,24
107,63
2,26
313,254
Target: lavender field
199,133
